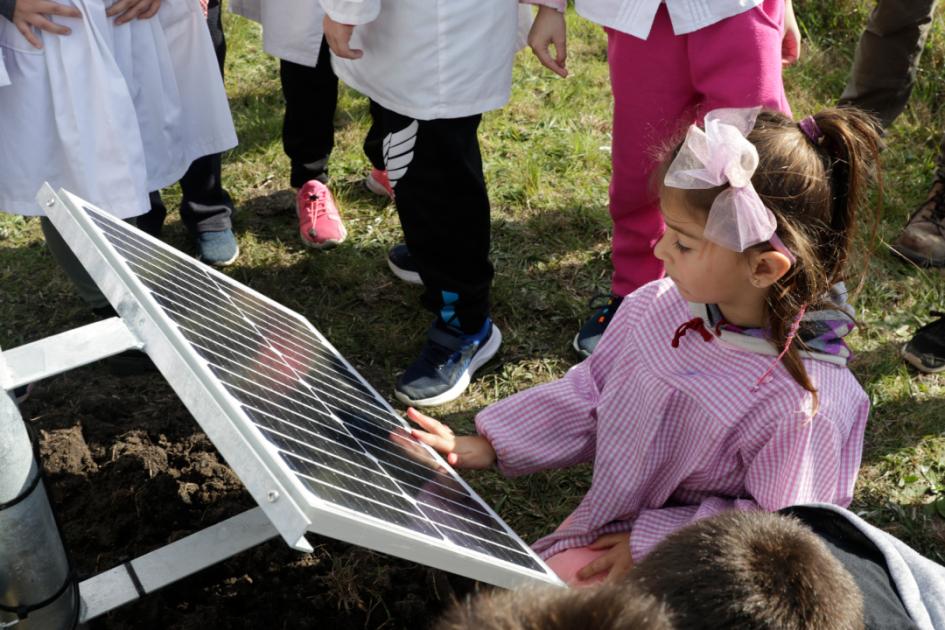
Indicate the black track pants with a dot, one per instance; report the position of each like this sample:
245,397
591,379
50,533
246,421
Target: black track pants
435,168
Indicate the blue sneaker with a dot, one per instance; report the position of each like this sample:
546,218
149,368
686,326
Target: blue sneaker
401,263
217,248
446,364
593,329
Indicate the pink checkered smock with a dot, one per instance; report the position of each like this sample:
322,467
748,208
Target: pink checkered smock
678,434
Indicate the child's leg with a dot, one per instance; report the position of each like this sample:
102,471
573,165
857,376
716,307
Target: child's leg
206,206
206,210
215,24
308,131
737,62
152,222
653,99
440,192
436,170
374,140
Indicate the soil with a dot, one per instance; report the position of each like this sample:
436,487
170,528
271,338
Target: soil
128,471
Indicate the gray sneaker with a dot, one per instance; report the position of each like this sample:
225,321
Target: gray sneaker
219,248
922,241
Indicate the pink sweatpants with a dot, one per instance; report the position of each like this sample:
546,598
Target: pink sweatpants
663,84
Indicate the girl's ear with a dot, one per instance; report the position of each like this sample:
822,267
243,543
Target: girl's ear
766,268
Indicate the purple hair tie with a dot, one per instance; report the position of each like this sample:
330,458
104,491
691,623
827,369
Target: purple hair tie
811,129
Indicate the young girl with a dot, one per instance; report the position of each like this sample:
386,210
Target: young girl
670,62
723,386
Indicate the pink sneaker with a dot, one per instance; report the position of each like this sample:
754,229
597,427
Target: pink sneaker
378,183
319,222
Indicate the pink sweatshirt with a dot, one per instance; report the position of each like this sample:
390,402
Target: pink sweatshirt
678,434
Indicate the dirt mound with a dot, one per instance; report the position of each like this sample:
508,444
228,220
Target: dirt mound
128,471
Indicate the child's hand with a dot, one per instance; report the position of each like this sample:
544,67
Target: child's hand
617,561
549,28
128,10
791,42
470,451
30,14
339,38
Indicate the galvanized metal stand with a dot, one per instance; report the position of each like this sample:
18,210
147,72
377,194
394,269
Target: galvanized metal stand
37,589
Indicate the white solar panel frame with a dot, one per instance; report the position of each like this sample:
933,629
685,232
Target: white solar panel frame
292,509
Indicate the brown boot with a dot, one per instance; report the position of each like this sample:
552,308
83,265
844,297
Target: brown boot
922,241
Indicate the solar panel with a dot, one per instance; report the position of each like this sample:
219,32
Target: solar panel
314,444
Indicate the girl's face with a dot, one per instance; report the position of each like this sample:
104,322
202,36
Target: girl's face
703,271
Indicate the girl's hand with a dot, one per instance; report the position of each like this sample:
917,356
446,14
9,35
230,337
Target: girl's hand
127,10
30,14
339,38
549,28
470,451
617,561
791,42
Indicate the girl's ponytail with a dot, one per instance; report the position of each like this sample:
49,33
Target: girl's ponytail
850,144
814,176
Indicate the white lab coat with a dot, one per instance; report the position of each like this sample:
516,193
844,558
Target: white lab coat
292,29
109,112
431,59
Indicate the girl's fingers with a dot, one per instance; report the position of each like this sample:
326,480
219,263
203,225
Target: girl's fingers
544,56
437,443
349,53
596,566
128,15
152,10
44,24
28,33
133,13
54,8
561,48
118,8
412,449
427,423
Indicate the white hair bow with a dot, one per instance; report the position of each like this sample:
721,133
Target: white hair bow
718,155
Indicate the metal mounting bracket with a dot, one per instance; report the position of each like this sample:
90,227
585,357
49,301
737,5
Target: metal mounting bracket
145,574
60,353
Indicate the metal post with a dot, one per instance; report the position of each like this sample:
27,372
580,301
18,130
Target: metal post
33,563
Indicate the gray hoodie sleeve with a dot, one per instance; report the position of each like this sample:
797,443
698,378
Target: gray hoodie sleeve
6,8
920,582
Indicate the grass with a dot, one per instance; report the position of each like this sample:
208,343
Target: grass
547,166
